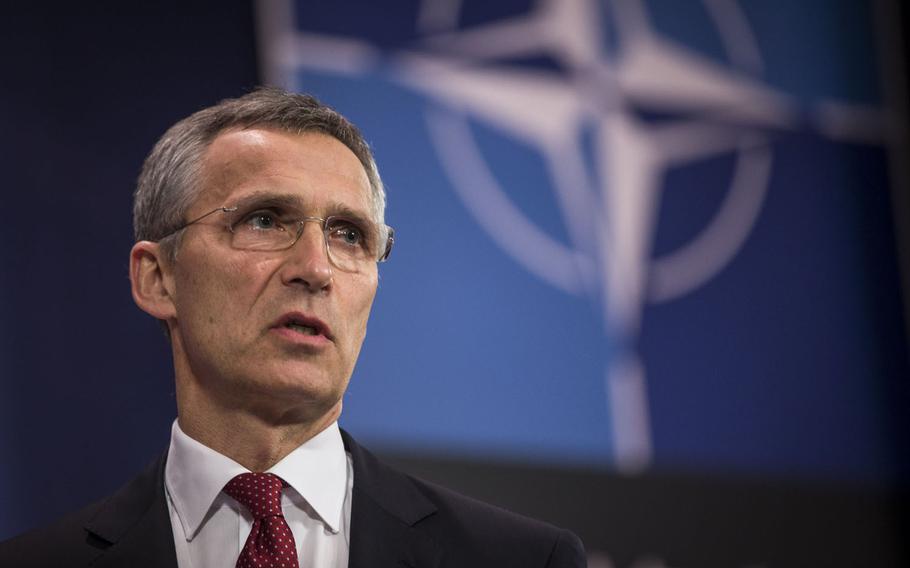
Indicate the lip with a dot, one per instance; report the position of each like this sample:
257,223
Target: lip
323,332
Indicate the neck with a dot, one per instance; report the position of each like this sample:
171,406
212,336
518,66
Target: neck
254,439
256,427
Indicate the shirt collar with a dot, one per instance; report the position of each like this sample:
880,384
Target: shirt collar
316,471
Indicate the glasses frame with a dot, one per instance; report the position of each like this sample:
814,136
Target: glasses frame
390,239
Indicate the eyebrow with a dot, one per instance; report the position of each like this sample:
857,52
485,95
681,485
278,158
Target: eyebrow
293,203
268,199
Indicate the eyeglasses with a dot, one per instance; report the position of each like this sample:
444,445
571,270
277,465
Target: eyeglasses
350,243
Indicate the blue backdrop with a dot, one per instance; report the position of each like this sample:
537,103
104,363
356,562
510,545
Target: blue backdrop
703,321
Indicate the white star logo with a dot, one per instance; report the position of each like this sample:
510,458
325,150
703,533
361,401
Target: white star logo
609,210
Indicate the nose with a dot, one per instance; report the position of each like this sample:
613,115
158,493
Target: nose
308,261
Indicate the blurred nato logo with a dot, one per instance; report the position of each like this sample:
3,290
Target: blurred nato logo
556,124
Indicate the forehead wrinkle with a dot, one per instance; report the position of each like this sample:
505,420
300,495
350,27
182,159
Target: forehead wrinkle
226,164
229,157
243,156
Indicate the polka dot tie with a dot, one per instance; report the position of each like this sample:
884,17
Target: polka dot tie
270,544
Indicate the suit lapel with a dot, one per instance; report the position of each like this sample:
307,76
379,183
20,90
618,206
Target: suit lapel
385,510
133,527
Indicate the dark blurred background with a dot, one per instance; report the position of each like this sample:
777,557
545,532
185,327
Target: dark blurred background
671,411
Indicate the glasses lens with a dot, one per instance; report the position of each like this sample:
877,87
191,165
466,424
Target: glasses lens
352,244
262,230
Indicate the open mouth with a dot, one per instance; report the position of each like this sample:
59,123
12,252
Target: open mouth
302,328
303,324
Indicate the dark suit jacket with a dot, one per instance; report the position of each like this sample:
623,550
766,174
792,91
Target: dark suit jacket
396,520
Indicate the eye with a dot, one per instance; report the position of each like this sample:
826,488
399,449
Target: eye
262,221
346,232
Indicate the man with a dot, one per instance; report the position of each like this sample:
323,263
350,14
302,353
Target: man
259,225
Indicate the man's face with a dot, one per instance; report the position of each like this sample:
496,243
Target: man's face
233,307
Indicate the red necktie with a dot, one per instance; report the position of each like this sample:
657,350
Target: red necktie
270,544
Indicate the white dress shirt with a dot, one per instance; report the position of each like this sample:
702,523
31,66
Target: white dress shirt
210,528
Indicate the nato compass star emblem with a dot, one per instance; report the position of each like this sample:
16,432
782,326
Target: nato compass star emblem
611,65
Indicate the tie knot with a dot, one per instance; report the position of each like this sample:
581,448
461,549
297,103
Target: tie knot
260,493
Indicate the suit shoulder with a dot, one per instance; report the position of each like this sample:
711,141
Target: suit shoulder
508,537
63,542
80,537
469,509
463,530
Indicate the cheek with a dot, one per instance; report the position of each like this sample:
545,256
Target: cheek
202,304
217,293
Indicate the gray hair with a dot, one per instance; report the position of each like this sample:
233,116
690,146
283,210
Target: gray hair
169,182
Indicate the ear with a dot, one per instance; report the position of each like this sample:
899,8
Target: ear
152,280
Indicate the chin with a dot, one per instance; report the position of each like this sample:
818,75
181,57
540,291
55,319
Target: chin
308,387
